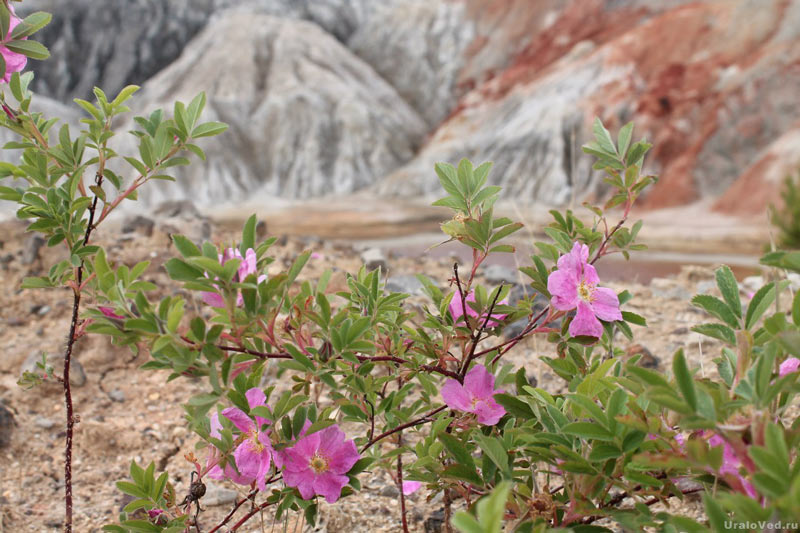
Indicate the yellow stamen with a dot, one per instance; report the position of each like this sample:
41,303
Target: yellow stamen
319,464
586,291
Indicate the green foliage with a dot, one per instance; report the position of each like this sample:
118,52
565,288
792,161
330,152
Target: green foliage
787,218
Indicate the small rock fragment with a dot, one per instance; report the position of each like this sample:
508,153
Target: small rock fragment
139,224
216,495
30,251
405,283
434,522
648,360
43,422
374,258
6,426
497,274
117,395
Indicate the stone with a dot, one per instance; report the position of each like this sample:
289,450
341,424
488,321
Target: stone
77,376
43,422
389,491
647,359
497,274
406,283
6,425
374,258
30,250
668,289
434,522
138,224
342,127
216,495
117,395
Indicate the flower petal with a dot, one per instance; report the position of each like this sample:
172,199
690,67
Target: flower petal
479,383
213,299
585,323
216,426
489,412
330,485
410,487
563,285
590,274
239,419
248,459
455,396
792,364
605,304
303,481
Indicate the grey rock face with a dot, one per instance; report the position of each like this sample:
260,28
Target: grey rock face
6,426
418,46
113,43
307,117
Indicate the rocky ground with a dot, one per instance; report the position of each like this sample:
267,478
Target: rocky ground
129,414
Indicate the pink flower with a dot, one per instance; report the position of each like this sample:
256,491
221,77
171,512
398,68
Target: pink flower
790,365
109,312
253,456
731,464
152,513
15,62
574,285
246,267
476,395
410,487
318,463
316,255
457,310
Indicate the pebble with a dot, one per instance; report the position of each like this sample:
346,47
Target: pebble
648,360
405,283
6,426
216,495
30,250
139,224
44,423
374,258
434,522
117,395
389,491
497,274
668,289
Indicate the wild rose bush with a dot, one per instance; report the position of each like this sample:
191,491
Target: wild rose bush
426,396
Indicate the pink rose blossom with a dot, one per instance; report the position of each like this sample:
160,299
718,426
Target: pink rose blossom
476,395
246,267
731,464
253,456
410,487
457,310
152,513
109,312
318,463
790,365
574,285
15,62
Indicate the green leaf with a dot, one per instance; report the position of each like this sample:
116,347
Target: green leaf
758,304
726,282
717,331
603,137
633,318
248,235
684,378
716,307
181,271
31,24
588,431
624,138
457,450
495,451
208,129
31,49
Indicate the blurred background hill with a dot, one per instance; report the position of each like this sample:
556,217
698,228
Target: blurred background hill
327,99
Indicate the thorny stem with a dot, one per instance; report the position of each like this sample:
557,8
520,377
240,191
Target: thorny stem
236,506
476,337
421,420
76,302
